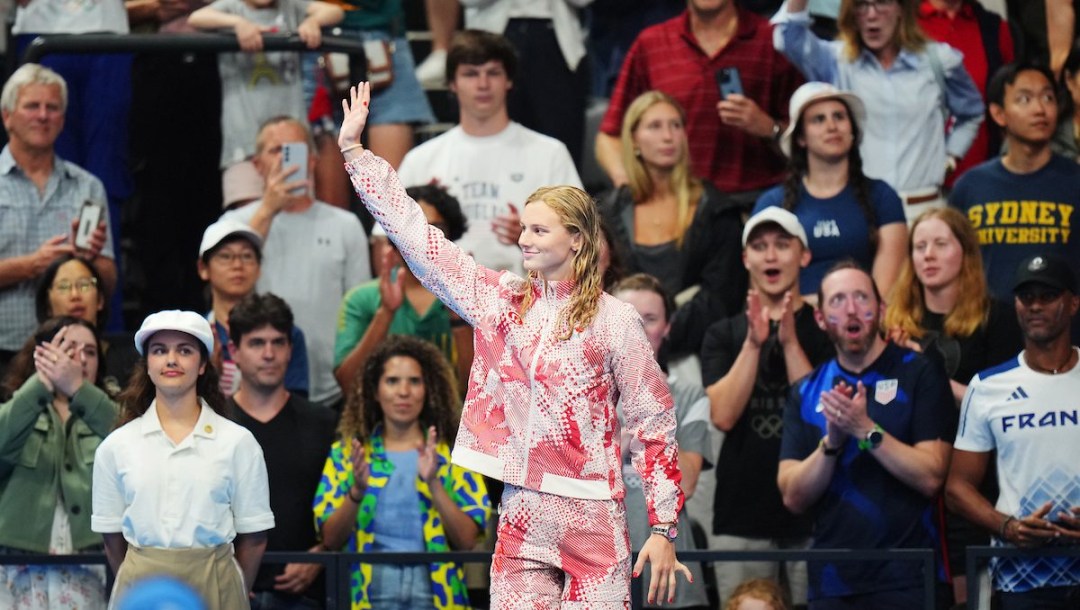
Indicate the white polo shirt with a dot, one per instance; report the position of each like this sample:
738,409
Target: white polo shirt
197,493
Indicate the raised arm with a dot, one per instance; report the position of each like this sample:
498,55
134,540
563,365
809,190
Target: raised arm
792,36
453,276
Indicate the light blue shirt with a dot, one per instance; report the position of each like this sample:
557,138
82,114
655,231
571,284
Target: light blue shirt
398,525
904,141
27,219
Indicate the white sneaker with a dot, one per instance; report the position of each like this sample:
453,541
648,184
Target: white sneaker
432,71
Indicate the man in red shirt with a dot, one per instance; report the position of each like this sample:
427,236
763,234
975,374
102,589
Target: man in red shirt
987,44
732,141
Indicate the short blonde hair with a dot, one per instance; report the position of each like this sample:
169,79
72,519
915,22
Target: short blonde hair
758,588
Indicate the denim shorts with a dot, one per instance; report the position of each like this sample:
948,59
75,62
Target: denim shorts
397,587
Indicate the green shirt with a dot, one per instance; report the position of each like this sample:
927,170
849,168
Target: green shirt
359,307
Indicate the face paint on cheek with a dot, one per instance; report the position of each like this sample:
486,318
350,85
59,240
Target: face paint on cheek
868,315
831,319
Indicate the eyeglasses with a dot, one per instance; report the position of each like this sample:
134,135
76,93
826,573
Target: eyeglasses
82,285
228,258
1044,296
864,6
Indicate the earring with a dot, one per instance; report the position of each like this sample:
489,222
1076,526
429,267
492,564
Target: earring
637,153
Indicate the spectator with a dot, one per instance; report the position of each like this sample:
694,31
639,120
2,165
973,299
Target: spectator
255,85
488,162
392,457
55,412
95,131
748,363
1037,463
294,435
986,43
43,197
312,252
866,447
656,307
70,286
912,87
400,104
1066,140
671,225
765,592
1027,201
178,489
230,261
1047,30
397,303
845,213
940,305
681,57
542,32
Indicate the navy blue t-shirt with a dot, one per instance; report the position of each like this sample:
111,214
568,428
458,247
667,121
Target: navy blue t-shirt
866,507
836,227
1020,215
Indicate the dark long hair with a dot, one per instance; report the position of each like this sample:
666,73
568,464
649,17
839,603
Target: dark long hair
140,391
22,365
42,306
441,404
799,168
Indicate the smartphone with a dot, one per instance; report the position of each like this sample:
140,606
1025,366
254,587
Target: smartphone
89,218
728,82
295,154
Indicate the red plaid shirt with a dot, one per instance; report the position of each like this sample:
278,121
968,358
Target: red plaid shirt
667,57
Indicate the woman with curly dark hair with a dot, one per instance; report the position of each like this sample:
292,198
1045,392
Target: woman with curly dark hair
54,417
845,213
178,488
388,484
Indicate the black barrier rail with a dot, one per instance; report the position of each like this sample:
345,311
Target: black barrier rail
978,555
174,43
336,565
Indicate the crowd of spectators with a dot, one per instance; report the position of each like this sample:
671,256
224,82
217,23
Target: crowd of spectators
840,222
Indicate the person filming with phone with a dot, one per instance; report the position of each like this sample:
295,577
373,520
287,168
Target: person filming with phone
312,251
731,125
43,198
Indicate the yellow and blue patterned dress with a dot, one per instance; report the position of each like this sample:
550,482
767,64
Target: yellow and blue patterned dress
464,486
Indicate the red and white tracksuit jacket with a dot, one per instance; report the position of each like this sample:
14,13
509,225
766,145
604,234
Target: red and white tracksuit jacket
539,412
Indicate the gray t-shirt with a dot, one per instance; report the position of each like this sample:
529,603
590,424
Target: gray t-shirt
258,86
692,434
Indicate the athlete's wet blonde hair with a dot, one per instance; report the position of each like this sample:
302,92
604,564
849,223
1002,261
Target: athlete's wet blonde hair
577,212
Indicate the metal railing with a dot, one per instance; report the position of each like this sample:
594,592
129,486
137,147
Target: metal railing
174,43
337,565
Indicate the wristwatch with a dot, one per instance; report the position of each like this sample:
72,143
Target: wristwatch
667,531
873,439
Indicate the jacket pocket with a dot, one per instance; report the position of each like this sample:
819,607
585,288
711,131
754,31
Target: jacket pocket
31,451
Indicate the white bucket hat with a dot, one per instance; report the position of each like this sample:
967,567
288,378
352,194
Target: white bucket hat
174,319
815,92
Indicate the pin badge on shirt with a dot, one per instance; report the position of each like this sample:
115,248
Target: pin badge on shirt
208,428
885,391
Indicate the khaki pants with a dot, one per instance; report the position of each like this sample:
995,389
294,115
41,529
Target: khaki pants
213,573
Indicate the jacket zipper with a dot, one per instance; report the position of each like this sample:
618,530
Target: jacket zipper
544,331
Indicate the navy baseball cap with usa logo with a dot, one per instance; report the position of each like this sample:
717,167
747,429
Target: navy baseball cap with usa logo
1045,269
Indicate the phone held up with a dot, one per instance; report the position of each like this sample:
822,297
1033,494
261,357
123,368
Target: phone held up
728,82
89,218
295,154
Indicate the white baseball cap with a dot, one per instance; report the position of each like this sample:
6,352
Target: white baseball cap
787,221
174,319
225,227
812,92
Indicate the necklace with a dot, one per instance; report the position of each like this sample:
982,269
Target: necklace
1054,371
